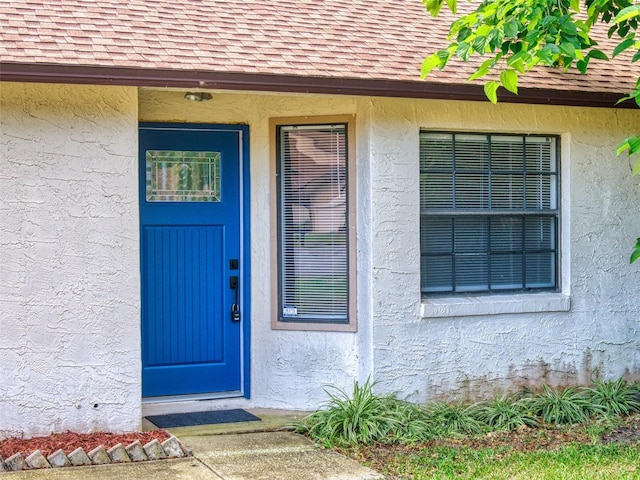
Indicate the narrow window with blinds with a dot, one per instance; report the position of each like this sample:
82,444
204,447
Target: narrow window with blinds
313,190
489,213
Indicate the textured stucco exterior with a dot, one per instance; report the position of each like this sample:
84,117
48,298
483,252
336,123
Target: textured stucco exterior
289,369
70,237
69,288
588,328
473,356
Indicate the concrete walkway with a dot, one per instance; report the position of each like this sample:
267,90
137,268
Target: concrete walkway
272,455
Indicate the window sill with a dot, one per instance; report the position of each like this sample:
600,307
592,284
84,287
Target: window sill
465,306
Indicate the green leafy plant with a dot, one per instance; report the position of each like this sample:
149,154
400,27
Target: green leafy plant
615,397
361,418
364,418
415,424
565,406
507,413
517,36
451,419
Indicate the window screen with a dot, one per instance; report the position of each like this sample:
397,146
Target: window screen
312,215
489,212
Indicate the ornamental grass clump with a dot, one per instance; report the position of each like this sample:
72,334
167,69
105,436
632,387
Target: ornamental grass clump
362,418
366,419
614,398
507,413
455,419
416,425
561,407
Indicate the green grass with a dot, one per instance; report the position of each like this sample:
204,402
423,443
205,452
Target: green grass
572,461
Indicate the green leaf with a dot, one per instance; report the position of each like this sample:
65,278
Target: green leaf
633,145
509,80
463,34
548,20
635,255
429,64
622,46
568,49
569,28
433,6
490,90
517,64
453,5
463,51
511,29
599,54
627,13
479,43
582,65
482,70
636,57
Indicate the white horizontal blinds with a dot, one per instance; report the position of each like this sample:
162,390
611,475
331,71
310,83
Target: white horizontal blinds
313,243
489,212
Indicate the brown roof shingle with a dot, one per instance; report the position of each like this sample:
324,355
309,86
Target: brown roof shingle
332,39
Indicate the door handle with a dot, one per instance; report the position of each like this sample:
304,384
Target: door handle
235,308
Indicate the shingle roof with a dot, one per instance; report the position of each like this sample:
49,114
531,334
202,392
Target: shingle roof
335,39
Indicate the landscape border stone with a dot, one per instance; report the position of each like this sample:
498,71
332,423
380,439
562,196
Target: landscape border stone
36,460
16,462
136,452
154,450
58,459
79,457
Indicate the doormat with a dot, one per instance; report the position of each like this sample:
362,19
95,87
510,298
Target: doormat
173,420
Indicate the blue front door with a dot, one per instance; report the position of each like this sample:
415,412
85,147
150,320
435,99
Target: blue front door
191,217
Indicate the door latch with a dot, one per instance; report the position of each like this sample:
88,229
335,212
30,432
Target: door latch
235,308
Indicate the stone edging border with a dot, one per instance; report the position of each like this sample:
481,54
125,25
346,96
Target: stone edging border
136,452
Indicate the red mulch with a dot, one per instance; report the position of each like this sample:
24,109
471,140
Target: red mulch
69,441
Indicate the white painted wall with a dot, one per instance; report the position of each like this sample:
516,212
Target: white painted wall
289,369
469,356
472,356
69,331
69,274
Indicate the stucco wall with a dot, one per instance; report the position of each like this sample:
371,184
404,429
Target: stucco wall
423,358
69,289
70,313
474,356
289,369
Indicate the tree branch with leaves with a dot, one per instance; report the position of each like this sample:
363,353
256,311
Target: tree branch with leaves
516,36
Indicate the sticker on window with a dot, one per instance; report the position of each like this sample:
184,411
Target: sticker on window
289,311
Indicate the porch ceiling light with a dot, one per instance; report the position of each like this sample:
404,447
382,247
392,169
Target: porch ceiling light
197,96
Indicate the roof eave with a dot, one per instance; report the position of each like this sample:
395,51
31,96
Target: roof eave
193,79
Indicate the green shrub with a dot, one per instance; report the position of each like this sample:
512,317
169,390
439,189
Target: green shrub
507,413
614,397
454,418
366,418
415,425
560,407
363,418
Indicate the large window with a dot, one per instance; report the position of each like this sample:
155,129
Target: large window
313,219
489,212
